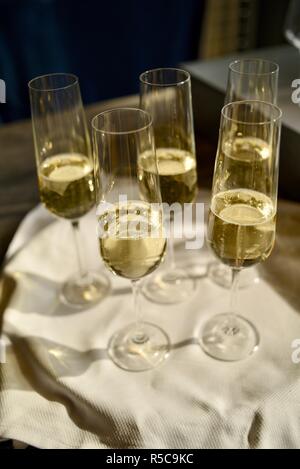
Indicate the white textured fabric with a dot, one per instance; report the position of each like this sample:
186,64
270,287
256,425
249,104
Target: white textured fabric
59,389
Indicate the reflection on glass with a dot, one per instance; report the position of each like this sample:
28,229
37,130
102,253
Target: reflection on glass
65,170
166,94
132,242
248,79
242,217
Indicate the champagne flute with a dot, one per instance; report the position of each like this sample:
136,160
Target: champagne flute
242,217
252,79
166,94
131,233
65,170
248,79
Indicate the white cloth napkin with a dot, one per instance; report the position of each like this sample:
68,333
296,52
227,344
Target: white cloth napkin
59,389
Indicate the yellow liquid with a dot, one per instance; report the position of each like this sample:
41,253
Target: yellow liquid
177,175
241,227
133,244
66,185
245,162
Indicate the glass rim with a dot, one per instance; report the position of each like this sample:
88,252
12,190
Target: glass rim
122,132
165,69
49,75
239,121
254,59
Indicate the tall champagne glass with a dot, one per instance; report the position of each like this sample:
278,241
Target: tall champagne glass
248,79
166,94
242,217
65,170
252,79
131,232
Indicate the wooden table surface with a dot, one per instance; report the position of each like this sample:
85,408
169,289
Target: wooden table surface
19,194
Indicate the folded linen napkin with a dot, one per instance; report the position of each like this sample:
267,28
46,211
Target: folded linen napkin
59,389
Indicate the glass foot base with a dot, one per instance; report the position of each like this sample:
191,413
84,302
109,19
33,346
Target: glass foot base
169,287
139,352
222,275
229,337
81,292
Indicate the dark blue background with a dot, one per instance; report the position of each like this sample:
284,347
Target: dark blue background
106,43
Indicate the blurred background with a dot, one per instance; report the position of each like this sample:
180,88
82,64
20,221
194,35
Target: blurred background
109,43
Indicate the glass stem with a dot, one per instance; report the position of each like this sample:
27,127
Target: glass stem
77,242
171,253
234,290
139,335
230,327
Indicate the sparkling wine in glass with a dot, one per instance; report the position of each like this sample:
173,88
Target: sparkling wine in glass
132,240
65,170
248,79
242,217
166,94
